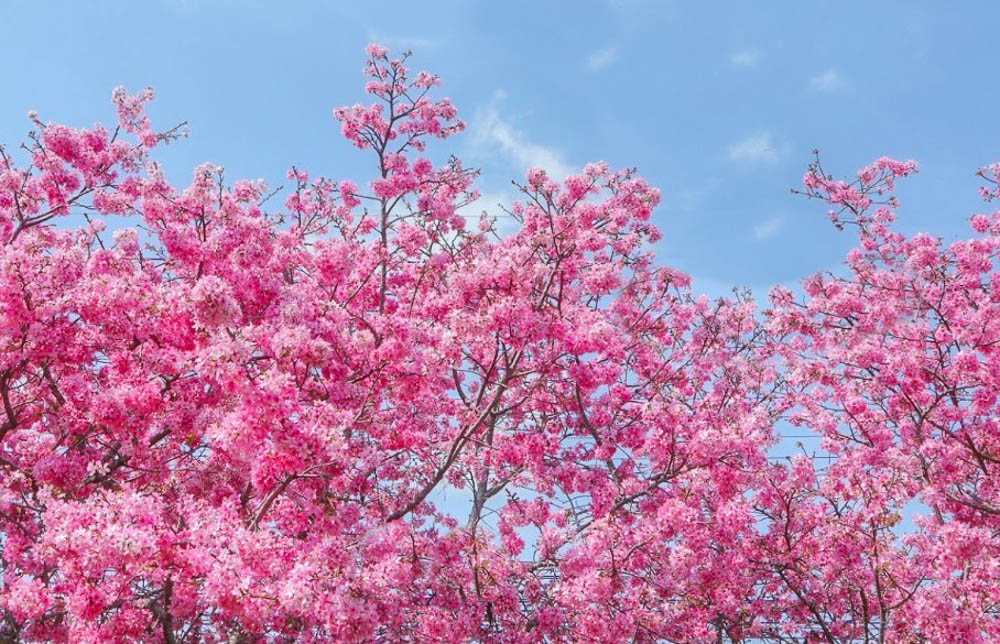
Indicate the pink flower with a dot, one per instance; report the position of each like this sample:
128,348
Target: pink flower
351,418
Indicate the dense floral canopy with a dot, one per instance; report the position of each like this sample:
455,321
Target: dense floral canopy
232,421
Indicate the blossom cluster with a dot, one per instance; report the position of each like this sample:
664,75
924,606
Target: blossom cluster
228,423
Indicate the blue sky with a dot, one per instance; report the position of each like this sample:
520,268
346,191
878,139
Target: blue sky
717,104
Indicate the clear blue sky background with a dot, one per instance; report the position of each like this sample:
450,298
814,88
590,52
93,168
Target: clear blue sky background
718,104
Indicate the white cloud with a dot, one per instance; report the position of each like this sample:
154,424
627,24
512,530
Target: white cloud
490,129
767,229
828,81
603,58
757,148
745,58
493,204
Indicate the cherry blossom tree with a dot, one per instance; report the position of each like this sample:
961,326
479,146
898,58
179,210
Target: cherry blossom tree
234,421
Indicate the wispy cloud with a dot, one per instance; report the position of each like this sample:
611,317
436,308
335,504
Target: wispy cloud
493,204
745,58
490,129
399,42
767,229
603,58
757,148
828,81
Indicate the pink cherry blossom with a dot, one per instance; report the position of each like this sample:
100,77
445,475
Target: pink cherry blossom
224,420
